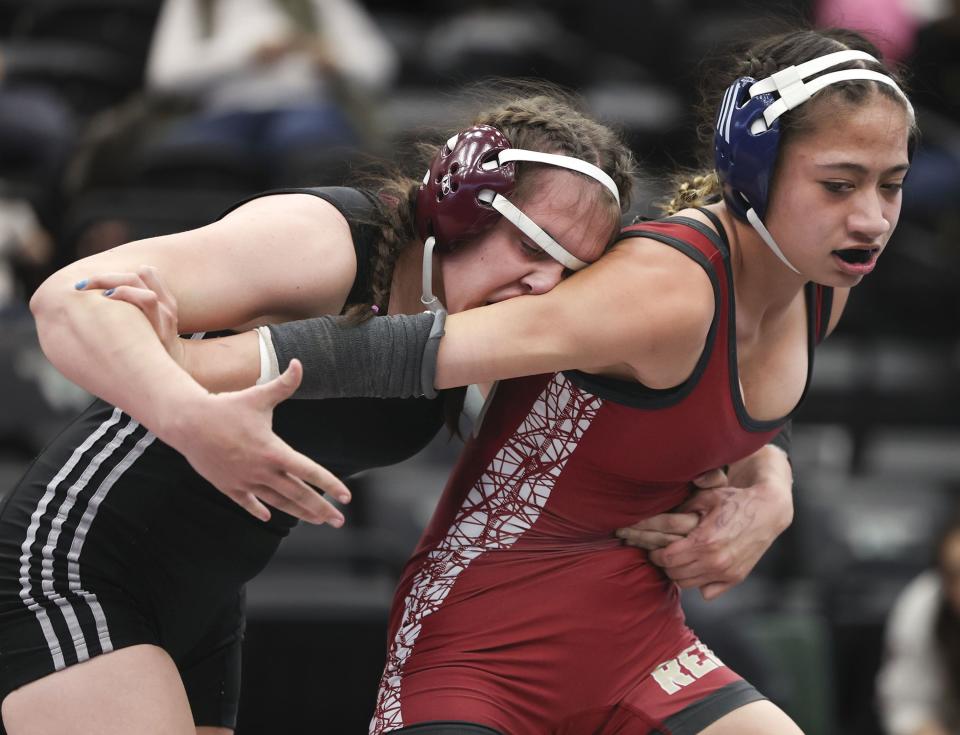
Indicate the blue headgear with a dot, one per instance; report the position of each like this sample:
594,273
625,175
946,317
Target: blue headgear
747,132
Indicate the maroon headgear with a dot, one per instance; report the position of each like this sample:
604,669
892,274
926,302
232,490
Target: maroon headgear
447,204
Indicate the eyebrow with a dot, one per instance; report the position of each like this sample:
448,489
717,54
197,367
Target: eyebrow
860,169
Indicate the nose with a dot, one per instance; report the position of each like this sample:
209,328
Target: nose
869,217
543,277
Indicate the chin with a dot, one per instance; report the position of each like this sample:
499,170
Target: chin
837,280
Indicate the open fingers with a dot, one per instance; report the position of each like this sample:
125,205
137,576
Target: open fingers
319,509
248,501
307,471
297,499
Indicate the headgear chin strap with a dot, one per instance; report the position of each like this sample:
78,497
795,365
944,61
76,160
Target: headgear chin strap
747,131
468,185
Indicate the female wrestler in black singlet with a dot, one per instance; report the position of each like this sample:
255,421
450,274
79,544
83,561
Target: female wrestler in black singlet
115,554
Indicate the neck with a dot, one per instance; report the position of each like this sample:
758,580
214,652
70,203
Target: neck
764,287
406,284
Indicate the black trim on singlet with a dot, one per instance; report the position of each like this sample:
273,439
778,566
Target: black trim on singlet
721,231
699,715
357,207
634,394
447,727
717,237
826,309
810,299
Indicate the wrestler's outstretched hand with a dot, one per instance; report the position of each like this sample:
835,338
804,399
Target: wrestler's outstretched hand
714,540
228,438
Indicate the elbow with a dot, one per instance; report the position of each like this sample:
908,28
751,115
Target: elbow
50,303
45,302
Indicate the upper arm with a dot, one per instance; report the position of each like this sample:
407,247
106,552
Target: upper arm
286,256
643,308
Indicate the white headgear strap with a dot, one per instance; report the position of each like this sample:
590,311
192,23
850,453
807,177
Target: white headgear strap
793,91
515,215
790,86
531,229
555,159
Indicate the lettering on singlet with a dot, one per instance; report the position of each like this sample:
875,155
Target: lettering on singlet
693,663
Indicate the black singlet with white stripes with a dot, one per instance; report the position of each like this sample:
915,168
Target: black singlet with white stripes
111,539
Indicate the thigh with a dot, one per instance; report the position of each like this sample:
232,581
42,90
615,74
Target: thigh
686,694
756,718
136,689
211,671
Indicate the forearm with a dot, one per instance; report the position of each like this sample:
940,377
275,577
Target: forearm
381,358
110,349
224,363
478,348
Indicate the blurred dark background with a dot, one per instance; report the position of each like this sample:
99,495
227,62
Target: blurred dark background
93,153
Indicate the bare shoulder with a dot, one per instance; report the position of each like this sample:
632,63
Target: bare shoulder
667,272
672,309
298,211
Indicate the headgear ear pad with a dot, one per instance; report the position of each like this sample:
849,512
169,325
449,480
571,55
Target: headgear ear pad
448,206
745,159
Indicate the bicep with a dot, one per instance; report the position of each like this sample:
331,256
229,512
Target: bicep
286,256
640,308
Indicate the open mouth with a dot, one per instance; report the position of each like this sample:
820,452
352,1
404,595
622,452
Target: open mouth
857,256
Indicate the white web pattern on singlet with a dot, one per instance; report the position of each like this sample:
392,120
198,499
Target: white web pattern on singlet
504,503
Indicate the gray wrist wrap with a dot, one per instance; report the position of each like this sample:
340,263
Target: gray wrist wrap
384,357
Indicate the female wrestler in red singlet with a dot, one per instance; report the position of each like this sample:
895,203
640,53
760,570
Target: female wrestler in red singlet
684,348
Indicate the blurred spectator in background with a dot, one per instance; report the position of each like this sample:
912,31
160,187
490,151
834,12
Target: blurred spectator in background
485,38
24,246
890,24
37,133
270,77
919,684
924,34
935,175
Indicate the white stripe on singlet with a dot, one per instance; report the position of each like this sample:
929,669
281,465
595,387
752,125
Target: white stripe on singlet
41,509
73,565
73,557
504,503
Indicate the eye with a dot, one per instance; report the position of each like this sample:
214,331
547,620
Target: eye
894,187
837,187
530,249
